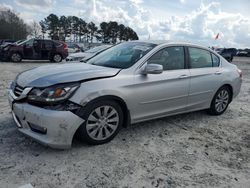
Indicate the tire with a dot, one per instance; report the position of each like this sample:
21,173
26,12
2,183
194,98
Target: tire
57,58
220,101
96,129
16,57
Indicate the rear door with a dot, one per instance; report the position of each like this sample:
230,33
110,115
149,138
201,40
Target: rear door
165,93
47,49
206,76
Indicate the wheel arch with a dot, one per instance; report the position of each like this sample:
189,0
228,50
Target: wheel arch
230,89
55,53
16,52
120,101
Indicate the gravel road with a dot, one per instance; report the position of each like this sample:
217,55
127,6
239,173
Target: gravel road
189,150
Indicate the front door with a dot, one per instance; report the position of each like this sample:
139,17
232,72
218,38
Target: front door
47,49
165,93
28,50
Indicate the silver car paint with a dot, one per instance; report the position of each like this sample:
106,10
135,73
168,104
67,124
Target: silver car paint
54,74
146,96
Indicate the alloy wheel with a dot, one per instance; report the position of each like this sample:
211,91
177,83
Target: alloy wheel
16,57
57,58
222,100
102,122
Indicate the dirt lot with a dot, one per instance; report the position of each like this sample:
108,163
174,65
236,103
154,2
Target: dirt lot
189,150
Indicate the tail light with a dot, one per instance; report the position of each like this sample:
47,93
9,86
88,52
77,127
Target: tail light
239,72
65,46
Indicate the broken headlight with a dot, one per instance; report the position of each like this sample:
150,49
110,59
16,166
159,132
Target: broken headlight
57,93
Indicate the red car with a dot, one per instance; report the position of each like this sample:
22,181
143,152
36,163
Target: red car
35,49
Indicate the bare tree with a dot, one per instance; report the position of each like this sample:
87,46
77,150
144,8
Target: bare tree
35,30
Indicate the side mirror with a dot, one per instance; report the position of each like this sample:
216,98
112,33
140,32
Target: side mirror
153,69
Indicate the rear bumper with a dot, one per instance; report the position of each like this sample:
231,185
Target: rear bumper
49,127
236,87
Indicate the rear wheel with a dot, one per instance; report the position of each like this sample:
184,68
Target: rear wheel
57,58
103,121
16,57
220,101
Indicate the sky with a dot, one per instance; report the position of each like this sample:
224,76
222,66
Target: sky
196,21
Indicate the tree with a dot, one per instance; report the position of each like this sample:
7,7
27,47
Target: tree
113,31
65,26
121,32
83,30
12,27
92,30
107,32
43,27
103,35
52,24
35,29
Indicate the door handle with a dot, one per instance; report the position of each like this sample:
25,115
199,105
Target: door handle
183,76
218,72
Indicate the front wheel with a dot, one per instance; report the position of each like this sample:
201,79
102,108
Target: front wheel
103,120
220,101
16,57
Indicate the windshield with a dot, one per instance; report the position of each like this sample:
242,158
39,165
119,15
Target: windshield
97,49
123,55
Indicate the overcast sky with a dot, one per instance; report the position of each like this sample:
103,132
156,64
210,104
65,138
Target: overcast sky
195,21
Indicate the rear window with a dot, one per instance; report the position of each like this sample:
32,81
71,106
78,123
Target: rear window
199,58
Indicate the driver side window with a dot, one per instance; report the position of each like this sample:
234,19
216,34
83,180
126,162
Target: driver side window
29,43
171,58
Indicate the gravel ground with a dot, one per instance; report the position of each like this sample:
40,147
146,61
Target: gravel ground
189,150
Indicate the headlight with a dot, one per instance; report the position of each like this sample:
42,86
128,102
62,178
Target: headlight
52,94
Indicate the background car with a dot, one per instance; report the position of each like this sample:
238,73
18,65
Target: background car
35,49
243,53
73,47
84,56
228,53
3,41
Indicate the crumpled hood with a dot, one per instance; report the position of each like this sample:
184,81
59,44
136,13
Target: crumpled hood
54,74
80,54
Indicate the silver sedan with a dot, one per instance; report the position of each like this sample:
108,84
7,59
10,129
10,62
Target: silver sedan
128,83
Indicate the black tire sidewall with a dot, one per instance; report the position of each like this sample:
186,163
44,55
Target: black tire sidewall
82,131
212,109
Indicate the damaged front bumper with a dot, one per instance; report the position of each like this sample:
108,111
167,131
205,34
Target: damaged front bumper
53,128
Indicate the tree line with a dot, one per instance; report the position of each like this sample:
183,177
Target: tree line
12,27
62,28
107,32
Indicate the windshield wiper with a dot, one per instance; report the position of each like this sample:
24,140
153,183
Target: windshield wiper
110,66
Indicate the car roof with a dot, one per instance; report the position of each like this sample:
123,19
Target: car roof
170,42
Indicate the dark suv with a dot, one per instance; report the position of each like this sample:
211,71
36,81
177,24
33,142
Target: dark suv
35,49
228,53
